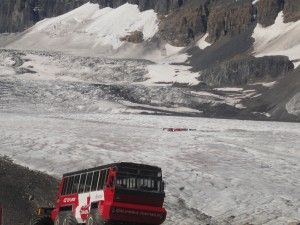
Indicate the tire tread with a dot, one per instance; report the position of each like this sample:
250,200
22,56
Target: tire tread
41,220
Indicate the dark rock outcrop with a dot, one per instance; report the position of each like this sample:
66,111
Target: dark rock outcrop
22,190
229,18
248,70
268,10
221,51
219,18
134,37
291,10
181,26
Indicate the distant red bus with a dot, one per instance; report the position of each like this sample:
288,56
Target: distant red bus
120,193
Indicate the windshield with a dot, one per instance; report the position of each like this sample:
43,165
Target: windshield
140,183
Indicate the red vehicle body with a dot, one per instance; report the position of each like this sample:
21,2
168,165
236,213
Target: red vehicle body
115,193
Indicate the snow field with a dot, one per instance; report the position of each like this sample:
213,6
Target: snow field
234,172
85,84
162,74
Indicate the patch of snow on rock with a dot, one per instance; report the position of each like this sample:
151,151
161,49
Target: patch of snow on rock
172,54
171,50
169,74
269,84
266,84
6,65
202,43
278,39
229,89
219,99
293,106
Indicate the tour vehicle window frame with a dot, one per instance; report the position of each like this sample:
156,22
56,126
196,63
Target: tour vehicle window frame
88,182
102,179
95,180
81,187
70,185
74,188
65,185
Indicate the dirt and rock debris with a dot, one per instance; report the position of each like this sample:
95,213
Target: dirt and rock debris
22,191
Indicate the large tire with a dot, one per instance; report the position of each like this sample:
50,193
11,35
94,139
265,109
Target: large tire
41,220
58,220
65,218
94,218
69,219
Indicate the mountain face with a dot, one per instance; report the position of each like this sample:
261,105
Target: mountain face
205,44
186,18
17,15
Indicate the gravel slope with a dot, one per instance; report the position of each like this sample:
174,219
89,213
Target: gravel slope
22,190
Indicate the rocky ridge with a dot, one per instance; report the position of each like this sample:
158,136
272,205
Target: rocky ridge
22,191
186,18
238,72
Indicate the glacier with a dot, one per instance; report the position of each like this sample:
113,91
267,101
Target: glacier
225,172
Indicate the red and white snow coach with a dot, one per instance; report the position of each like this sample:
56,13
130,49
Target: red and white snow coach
120,193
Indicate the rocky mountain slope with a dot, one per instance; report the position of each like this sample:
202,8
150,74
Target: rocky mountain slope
192,17
22,191
196,44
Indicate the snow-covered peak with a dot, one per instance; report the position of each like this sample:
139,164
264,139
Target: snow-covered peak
89,27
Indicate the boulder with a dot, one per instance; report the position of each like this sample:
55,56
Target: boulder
134,37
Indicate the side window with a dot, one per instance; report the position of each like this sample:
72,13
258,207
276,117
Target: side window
88,183
99,187
159,186
102,181
82,183
75,184
95,180
70,185
64,190
106,178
